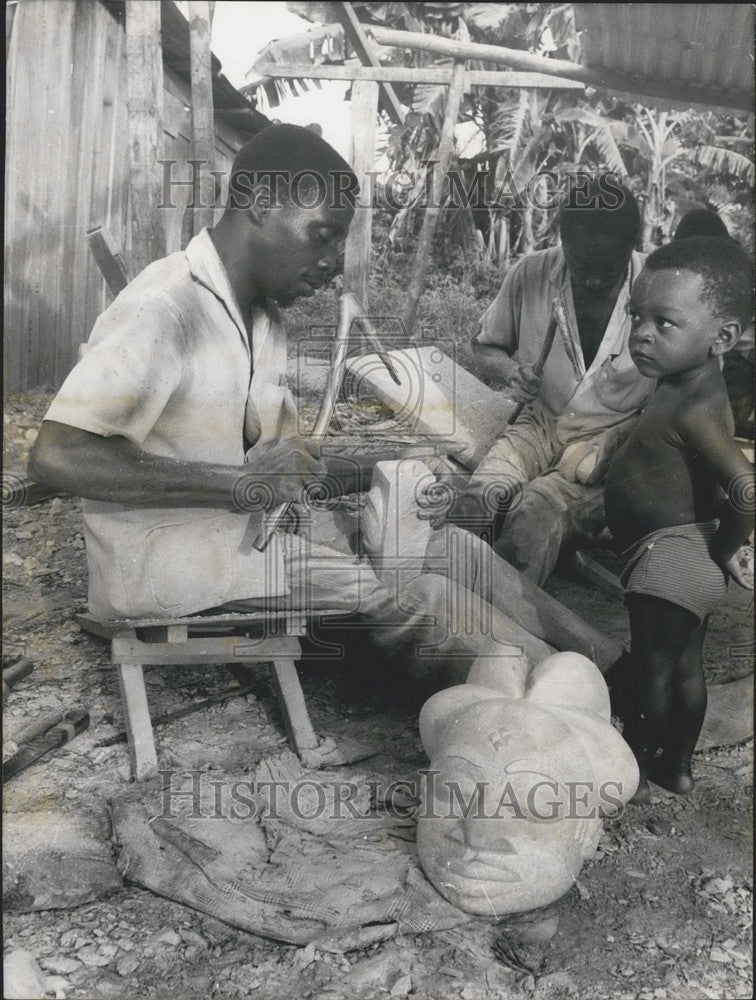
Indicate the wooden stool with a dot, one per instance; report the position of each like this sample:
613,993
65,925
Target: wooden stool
251,637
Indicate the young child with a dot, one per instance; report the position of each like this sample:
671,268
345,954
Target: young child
679,494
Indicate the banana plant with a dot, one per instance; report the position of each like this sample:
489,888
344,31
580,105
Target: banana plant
672,146
526,132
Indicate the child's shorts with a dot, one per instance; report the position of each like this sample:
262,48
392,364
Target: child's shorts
674,564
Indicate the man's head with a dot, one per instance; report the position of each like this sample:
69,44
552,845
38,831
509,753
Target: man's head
291,200
599,225
690,303
700,222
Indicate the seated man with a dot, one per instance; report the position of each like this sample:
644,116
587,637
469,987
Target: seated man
178,429
550,464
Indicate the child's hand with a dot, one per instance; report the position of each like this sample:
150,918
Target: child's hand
740,567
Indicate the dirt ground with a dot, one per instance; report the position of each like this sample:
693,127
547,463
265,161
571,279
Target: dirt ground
663,910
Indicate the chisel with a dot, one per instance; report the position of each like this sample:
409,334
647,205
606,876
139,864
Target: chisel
554,322
72,724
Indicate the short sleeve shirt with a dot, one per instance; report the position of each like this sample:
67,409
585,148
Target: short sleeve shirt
583,402
169,366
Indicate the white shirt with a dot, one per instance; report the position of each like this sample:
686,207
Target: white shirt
168,367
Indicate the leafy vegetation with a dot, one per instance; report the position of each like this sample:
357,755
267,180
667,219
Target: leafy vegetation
673,161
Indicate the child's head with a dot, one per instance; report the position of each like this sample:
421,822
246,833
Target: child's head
724,266
689,304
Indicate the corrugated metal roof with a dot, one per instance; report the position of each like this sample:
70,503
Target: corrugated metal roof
702,52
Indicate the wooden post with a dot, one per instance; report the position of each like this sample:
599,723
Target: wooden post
136,711
293,706
365,50
144,59
433,210
203,125
503,257
362,158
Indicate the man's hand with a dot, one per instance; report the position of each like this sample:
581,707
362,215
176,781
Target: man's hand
524,385
493,363
469,507
278,472
579,461
477,504
740,567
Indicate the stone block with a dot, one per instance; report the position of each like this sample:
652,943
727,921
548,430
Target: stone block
437,398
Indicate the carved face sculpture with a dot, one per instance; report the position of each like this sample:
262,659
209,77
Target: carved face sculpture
515,806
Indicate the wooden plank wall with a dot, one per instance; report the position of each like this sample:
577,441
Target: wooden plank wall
66,170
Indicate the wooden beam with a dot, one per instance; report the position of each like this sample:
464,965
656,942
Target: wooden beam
668,90
366,53
144,60
433,210
108,258
362,159
417,74
514,79
203,124
451,48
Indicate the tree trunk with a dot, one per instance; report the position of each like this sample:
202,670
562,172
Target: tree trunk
528,244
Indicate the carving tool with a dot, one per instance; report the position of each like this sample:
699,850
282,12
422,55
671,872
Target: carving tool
557,319
372,337
350,311
13,674
60,732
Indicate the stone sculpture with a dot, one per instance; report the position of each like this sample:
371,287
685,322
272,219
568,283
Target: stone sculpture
521,773
393,535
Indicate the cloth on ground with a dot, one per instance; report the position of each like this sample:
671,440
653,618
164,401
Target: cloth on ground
674,563
286,854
